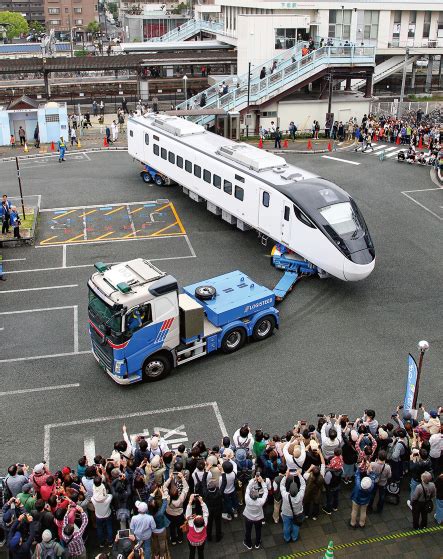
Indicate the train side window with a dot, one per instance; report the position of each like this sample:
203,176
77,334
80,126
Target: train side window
216,181
179,161
147,139
239,178
198,171
188,166
266,199
239,193
227,187
156,149
164,153
303,218
286,214
131,133
171,157
207,176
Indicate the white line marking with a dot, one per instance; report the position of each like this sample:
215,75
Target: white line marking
191,248
43,389
49,426
106,205
390,149
422,206
64,257
421,190
393,153
1,329
14,260
131,221
76,329
39,310
89,449
379,147
34,357
338,159
85,235
39,288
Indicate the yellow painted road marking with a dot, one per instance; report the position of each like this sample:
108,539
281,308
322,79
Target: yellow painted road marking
180,224
63,215
163,207
48,239
74,238
137,210
115,210
131,234
90,212
164,229
102,236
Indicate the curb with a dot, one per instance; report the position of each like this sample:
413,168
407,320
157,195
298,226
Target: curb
54,154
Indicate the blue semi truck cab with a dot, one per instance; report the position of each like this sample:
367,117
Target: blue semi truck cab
141,326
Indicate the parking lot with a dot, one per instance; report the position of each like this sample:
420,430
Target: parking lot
341,347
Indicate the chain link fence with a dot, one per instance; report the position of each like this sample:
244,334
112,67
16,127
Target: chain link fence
405,109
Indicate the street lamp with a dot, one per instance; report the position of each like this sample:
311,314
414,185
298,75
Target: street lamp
403,83
185,84
423,346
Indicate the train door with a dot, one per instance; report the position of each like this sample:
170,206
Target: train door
269,213
138,142
286,224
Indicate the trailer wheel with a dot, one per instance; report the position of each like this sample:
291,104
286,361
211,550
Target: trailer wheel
264,327
158,180
233,340
156,367
205,292
146,177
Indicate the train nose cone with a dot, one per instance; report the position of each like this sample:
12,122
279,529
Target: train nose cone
359,266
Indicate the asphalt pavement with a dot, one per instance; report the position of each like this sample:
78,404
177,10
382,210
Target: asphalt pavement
341,347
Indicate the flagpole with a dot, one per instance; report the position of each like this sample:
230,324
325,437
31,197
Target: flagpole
423,346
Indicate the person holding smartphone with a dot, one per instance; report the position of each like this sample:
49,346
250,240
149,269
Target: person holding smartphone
197,527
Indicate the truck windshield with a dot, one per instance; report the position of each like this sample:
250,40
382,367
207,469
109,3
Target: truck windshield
103,313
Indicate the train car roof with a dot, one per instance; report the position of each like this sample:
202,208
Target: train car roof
261,164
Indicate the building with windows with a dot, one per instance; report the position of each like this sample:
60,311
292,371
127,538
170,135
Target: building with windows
32,10
66,15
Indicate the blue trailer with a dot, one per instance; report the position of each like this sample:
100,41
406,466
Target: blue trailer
141,327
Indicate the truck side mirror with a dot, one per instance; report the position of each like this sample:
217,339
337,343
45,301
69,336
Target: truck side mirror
107,330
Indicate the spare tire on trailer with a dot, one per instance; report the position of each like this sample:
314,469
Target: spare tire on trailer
205,292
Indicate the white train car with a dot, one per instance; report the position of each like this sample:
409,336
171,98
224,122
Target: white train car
252,188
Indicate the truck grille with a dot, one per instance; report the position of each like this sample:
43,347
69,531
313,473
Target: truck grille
104,358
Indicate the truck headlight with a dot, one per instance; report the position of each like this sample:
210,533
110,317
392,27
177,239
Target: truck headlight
119,366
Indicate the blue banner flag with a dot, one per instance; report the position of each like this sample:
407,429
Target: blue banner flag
410,383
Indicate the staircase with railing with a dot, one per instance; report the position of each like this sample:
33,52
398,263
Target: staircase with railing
189,29
289,69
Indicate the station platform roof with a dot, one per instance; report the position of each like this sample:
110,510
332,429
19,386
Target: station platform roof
151,46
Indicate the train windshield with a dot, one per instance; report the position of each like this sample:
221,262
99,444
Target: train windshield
343,219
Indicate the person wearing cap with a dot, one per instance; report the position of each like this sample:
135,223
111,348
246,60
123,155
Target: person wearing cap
27,497
361,496
197,524
383,473
431,422
44,549
244,472
256,495
156,446
424,492
142,525
39,475
214,501
101,500
292,490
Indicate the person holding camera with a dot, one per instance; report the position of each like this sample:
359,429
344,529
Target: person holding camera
196,527
21,537
292,488
255,499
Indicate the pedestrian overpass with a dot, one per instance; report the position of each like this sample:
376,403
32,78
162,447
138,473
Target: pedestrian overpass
189,29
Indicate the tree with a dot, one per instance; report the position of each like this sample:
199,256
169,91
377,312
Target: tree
36,27
14,23
93,27
180,8
113,8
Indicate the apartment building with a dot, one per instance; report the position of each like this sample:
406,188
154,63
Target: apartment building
32,10
64,15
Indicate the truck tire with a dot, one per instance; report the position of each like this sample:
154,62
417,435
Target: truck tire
156,367
205,292
233,340
158,180
264,327
146,177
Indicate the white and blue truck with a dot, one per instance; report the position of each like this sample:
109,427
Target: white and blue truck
142,326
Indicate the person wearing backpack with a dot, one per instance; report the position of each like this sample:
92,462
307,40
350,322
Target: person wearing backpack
383,474
214,500
277,493
398,452
48,548
227,489
244,472
423,501
420,463
361,496
292,488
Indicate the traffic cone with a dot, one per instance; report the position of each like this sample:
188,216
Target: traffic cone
285,144
260,143
79,145
105,142
397,141
330,551
52,146
26,148
420,142
329,146
309,144
375,139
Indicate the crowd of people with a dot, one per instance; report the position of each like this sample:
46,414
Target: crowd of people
145,499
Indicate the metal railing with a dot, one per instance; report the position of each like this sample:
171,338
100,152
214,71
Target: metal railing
190,28
290,69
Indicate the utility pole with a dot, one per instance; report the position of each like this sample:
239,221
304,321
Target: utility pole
403,83
330,92
249,94
20,186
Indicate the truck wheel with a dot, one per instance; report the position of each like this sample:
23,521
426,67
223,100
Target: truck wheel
264,327
156,367
158,180
205,292
233,340
146,177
